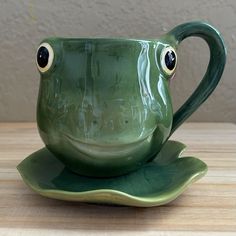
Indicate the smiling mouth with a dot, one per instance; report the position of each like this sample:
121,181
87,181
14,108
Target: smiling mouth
107,149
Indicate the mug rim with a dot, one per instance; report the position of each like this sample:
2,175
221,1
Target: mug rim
102,39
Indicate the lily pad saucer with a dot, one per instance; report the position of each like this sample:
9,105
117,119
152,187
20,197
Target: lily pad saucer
156,183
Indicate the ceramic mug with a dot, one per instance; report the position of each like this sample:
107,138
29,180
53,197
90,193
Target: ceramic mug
104,106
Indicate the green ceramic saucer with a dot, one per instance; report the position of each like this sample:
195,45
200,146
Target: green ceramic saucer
156,183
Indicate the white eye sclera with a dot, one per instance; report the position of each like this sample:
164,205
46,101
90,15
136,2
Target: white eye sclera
168,60
45,56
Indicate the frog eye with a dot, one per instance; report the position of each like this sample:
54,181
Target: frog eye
168,60
45,57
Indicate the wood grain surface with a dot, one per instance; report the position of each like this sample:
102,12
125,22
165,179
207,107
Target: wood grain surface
208,207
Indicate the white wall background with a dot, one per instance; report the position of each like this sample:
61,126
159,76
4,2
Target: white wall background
24,23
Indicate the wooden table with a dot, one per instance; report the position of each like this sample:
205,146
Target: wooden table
207,207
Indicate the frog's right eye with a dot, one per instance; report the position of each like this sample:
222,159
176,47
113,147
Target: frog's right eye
45,56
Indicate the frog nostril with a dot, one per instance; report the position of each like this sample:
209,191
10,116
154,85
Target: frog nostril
126,121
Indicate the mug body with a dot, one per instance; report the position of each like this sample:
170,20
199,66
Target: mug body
104,107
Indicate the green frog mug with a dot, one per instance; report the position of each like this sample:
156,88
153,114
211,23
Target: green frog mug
104,107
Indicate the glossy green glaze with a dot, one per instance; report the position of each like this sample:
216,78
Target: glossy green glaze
104,107
156,183
214,71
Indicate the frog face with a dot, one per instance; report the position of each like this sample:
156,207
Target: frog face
104,102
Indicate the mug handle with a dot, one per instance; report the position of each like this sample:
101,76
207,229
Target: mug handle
214,71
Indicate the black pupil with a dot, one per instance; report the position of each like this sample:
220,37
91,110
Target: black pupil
170,60
42,57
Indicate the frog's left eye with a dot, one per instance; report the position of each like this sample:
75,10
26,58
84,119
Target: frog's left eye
45,56
168,60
